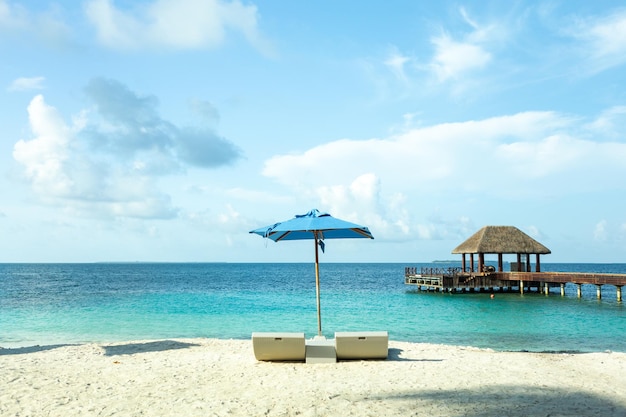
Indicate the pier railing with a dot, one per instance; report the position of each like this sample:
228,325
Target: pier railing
434,277
454,278
432,272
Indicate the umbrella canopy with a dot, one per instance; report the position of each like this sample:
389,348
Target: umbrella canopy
316,226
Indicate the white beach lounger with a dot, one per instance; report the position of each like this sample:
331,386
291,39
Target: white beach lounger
278,346
361,345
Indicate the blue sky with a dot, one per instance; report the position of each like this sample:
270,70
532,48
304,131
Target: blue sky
165,130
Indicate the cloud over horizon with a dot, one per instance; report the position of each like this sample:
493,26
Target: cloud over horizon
534,155
107,162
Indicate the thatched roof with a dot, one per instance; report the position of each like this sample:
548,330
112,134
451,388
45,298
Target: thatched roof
500,239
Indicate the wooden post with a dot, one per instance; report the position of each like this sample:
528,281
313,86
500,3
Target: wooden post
528,268
500,268
521,286
481,262
546,288
579,291
519,262
464,263
599,291
619,292
537,263
471,262
562,290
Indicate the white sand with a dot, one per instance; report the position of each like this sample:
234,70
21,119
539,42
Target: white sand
208,377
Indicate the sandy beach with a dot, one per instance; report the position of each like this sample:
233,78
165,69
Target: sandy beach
211,377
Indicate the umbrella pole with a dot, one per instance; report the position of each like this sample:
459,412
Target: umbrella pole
317,289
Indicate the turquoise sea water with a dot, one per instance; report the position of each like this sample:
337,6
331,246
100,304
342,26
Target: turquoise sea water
44,304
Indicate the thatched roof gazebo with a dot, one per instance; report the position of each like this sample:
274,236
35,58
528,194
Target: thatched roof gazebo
500,240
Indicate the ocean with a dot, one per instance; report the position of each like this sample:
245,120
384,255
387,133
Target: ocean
48,304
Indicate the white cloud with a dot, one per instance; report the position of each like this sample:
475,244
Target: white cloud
458,59
12,16
226,219
362,192
47,26
609,35
610,124
453,59
468,19
524,155
108,161
63,173
185,24
360,201
396,63
45,157
419,156
27,83
604,39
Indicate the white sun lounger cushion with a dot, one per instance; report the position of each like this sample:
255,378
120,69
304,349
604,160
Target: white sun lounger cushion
270,346
361,345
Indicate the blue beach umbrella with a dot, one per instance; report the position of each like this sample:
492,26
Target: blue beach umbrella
318,227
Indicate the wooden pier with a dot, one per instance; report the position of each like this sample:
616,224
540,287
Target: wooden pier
457,280
505,240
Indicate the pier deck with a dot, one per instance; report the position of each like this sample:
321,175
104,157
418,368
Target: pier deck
456,280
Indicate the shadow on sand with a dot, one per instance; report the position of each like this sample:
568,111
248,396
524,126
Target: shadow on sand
143,347
395,355
509,400
29,349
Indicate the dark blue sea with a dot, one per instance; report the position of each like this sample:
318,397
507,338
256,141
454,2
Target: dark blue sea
44,304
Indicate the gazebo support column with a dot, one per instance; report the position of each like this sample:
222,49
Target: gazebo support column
481,262
464,266
500,268
519,263
537,263
471,262
528,268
